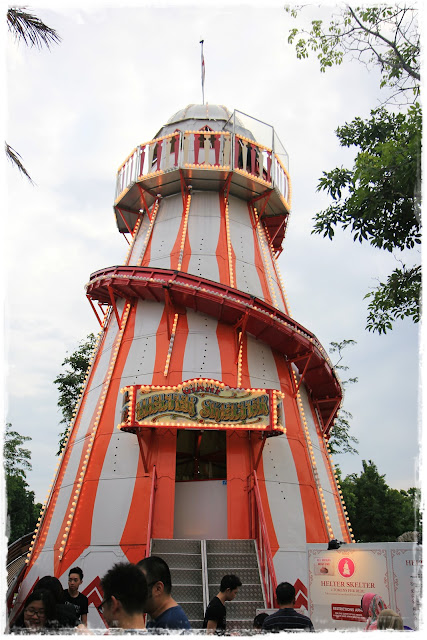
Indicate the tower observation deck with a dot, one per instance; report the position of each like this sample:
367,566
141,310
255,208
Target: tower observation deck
206,408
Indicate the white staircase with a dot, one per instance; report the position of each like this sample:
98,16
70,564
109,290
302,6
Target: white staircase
197,567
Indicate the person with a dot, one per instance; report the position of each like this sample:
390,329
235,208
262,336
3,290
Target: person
215,615
38,614
389,619
73,596
372,604
65,612
125,593
286,618
164,611
258,620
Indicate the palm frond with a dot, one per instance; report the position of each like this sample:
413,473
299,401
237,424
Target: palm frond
15,158
29,28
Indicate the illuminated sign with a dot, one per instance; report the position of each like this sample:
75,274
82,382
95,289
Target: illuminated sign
201,404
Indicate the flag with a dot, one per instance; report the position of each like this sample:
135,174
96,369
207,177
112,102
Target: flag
203,73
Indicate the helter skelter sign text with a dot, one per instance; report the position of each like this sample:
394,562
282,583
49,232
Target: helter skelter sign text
201,403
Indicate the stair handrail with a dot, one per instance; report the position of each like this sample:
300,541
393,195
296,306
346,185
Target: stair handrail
264,549
150,512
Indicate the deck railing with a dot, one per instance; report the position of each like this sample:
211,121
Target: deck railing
260,534
204,149
150,512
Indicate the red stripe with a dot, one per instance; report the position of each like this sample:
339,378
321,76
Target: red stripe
315,526
80,534
259,264
44,530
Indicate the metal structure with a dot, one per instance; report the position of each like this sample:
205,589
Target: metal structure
206,408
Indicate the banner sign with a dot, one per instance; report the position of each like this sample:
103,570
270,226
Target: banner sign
202,404
339,578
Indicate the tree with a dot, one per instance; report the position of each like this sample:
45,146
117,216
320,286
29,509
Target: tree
378,513
21,510
378,200
33,32
70,382
340,440
383,36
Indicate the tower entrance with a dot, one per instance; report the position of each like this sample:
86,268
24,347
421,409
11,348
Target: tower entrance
201,485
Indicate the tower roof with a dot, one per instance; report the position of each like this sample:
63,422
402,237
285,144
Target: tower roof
196,116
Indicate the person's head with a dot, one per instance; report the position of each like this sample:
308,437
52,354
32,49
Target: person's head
158,576
39,609
389,619
285,593
259,619
75,578
54,586
125,592
229,586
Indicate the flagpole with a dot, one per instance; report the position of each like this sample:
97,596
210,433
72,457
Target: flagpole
203,73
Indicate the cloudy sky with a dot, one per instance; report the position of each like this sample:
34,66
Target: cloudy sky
76,112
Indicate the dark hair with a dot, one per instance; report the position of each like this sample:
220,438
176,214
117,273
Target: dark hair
230,581
285,593
48,601
54,586
76,570
127,583
259,619
156,570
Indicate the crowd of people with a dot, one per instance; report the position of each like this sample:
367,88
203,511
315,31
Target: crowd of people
137,599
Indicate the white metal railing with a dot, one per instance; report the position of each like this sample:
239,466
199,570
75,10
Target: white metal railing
205,149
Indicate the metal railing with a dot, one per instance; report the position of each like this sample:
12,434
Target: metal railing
204,149
150,512
260,534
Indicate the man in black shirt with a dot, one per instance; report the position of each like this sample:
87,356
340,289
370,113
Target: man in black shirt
72,595
215,616
286,618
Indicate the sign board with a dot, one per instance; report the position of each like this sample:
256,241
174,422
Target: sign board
339,578
201,404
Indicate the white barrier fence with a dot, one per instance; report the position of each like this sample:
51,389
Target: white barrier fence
207,149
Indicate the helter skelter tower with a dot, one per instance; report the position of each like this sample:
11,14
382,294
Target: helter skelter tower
206,408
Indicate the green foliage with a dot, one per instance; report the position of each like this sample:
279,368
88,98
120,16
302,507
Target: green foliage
17,459
30,29
21,510
70,382
378,513
33,32
378,201
340,439
383,36
398,297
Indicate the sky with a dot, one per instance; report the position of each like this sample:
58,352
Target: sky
74,113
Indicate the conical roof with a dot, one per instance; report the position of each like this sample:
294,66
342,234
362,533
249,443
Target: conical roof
195,116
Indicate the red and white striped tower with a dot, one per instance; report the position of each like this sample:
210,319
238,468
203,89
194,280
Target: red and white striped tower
206,408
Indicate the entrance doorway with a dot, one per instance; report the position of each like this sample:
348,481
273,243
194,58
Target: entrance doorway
201,485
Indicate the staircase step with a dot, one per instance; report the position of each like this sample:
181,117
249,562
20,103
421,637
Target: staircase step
172,545
246,592
247,576
193,610
230,546
188,593
182,560
186,576
232,562
243,610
